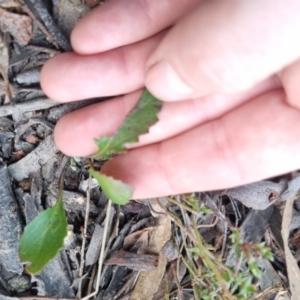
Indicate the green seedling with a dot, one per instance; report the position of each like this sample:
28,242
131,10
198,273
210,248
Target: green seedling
43,237
138,121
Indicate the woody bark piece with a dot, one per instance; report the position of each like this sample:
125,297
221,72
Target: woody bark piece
68,13
19,26
291,263
43,14
292,190
134,261
10,225
37,104
33,161
73,202
4,63
54,281
93,251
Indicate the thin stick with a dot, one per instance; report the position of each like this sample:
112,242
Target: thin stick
37,104
101,258
90,286
82,261
209,225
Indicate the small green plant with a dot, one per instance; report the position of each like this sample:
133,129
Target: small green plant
43,237
210,277
138,121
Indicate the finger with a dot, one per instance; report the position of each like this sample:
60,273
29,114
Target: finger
75,132
117,23
224,46
257,140
69,76
290,77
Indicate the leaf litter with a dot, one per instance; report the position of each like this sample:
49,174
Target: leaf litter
41,163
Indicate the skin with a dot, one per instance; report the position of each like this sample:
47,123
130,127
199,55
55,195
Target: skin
228,72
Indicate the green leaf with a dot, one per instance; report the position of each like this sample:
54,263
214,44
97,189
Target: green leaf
136,123
116,190
43,237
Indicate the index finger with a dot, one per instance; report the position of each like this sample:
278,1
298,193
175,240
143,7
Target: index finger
117,23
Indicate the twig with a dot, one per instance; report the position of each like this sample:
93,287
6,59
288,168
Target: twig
90,286
38,104
82,261
176,222
101,258
127,284
4,62
187,208
40,25
209,225
44,15
45,298
224,240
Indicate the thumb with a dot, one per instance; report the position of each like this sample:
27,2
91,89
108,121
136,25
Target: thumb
224,47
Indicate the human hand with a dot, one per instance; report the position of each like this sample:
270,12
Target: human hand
235,119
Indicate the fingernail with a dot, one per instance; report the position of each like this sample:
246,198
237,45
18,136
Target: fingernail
165,84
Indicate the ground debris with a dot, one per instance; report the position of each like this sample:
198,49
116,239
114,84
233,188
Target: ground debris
69,13
291,263
73,201
34,160
19,26
147,241
134,261
258,195
53,280
10,225
4,63
148,282
38,9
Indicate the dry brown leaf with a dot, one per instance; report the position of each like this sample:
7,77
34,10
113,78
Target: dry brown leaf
170,251
32,139
93,3
291,263
134,261
148,282
136,237
269,292
9,3
19,26
258,195
17,155
69,13
4,63
143,242
295,240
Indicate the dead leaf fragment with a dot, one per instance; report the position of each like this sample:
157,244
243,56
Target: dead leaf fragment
258,195
4,63
32,139
93,3
9,3
149,282
291,263
134,261
137,237
169,250
19,26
